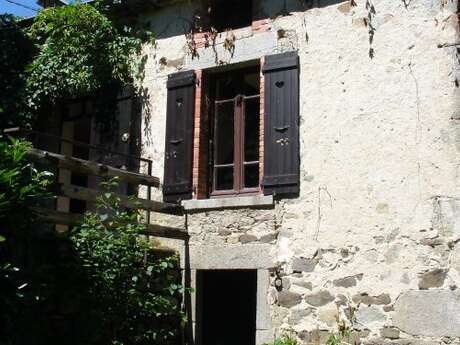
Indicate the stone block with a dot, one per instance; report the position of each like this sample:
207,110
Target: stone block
390,332
303,264
268,238
228,203
431,313
263,320
328,314
250,48
455,263
285,283
345,7
224,232
247,256
246,238
298,313
432,279
314,337
302,282
319,298
347,282
446,216
366,315
364,298
288,299
264,337
410,341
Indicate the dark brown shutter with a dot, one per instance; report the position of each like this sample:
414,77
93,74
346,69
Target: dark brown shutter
281,131
179,137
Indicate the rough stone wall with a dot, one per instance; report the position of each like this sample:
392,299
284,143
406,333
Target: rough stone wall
373,236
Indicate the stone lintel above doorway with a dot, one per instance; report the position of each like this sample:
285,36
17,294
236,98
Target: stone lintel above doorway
258,256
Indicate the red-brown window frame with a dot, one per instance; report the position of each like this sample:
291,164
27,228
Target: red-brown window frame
239,143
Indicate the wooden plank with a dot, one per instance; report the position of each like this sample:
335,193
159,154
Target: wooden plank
72,219
58,217
90,168
88,194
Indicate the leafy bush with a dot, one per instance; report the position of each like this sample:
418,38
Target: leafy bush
285,340
136,291
69,51
15,53
21,187
105,286
79,52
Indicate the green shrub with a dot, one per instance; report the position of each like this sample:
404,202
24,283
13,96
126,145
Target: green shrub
136,291
22,186
285,340
106,285
79,52
15,53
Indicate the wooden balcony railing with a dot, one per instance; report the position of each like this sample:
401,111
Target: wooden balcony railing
91,168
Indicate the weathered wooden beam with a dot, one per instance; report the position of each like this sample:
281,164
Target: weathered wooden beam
72,219
88,194
90,168
57,217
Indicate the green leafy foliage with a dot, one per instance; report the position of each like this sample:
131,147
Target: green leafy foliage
68,52
21,187
285,340
106,285
338,339
79,51
15,53
136,291
343,336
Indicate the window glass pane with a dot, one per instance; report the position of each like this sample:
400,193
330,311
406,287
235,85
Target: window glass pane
224,178
251,175
223,136
251,84
228,86
251,131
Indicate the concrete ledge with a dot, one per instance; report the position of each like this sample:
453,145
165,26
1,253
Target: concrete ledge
230,202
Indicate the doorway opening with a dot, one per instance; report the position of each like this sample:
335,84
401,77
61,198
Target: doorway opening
226,307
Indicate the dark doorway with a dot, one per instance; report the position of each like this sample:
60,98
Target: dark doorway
226,307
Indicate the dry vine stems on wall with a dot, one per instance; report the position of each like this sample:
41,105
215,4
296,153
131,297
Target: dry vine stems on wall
369,23
202,25
209,36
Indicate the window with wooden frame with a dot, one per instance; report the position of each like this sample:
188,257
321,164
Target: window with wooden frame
213,143
234,140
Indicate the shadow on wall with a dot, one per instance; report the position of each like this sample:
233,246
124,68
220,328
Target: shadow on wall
180,18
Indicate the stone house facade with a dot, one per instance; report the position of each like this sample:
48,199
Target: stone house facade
315,147
364,229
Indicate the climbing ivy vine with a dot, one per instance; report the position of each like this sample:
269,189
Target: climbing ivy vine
75,50
80,51
15,54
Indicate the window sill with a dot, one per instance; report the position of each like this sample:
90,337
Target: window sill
255,201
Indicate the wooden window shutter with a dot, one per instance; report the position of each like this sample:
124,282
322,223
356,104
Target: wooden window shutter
177,183
281,124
